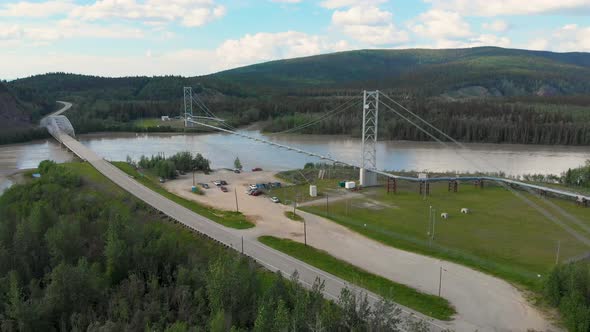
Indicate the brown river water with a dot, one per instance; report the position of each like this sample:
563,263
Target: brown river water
222,149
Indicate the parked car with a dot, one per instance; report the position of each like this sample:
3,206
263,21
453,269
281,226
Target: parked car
217,182
223,188
162,180
204,185
275,199
253,187
256,169
223,182
255,193
237,171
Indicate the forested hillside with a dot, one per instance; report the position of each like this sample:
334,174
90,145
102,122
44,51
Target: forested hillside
18,118
484,94
79,254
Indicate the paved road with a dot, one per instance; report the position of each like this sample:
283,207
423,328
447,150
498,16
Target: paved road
66,106
268,257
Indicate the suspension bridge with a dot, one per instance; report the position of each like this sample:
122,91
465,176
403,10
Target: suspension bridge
368,166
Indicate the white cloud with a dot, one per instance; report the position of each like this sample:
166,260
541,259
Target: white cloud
11,32
368,24
441,24
538,44
36,34
37,9
568,38
334,4
480,40
286,1
571,38
497,26
271,46
362,15
511,7
247,50
190,13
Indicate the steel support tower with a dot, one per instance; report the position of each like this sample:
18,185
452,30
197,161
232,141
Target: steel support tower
369,143
188,105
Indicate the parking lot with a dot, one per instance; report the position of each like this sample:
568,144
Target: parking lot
269,217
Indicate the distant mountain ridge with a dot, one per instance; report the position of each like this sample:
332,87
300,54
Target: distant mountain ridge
431,72
485,71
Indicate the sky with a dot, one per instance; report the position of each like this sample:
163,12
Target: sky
197,37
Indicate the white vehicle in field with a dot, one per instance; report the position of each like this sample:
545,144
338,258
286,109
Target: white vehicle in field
275,200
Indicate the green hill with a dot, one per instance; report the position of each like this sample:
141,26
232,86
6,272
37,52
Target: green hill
499,71
502,71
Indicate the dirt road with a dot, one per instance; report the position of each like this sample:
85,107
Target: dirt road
483,302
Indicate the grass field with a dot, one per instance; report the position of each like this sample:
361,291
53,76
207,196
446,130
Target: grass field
502,235
293,216
226,218
430,305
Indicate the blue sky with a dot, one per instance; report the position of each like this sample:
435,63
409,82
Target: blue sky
195,37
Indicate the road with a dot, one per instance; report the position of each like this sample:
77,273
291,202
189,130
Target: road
66,106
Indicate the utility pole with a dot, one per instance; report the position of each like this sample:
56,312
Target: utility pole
433,222
304,232
242,245
327,210
557,255
440,281
236,194
193,177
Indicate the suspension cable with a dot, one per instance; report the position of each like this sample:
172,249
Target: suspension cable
336,110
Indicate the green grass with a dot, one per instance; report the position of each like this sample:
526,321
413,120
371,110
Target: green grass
430,305
293,216
503,235
226,218
300,192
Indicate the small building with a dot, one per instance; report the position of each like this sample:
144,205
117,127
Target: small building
465,211
313,190
165,118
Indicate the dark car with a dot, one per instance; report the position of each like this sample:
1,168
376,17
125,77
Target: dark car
256,169
224,189
256,193
204,185
223,182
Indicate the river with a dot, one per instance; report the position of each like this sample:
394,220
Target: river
222,149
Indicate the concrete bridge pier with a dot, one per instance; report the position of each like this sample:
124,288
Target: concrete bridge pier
367,178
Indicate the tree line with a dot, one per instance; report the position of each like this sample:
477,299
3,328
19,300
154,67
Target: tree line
568,288
79,254
167,167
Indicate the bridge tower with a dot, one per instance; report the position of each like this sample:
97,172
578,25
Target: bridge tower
369,142
188,105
